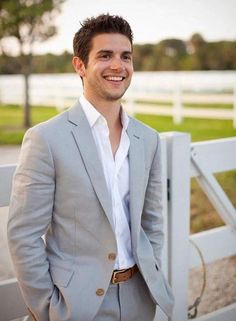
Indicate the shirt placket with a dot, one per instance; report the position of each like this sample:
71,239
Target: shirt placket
122,227
108,161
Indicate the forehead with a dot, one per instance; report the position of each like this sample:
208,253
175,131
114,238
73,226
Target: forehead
110,41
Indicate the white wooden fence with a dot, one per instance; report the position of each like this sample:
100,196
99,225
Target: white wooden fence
181,160
176,109
176,89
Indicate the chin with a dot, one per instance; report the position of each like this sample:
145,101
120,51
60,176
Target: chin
115,96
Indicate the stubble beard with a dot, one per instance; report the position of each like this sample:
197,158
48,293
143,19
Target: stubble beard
113,97
109,96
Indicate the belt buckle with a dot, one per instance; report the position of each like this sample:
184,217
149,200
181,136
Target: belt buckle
113,279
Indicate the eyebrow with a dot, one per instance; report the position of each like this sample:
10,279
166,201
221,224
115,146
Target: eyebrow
104,51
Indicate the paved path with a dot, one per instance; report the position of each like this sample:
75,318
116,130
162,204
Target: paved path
9,154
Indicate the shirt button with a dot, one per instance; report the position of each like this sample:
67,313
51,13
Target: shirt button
112,256
100,292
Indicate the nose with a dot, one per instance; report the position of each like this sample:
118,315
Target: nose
116,63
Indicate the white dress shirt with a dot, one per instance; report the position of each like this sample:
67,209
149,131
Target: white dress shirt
116,172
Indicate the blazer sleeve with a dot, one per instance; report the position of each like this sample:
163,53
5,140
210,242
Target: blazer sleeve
152,217
30,215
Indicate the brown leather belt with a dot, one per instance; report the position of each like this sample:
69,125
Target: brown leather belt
119,276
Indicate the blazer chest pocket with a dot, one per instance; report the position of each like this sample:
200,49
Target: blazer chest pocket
61,276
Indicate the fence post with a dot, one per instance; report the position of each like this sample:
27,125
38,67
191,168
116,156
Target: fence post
234,111
177,105
178,171
160,316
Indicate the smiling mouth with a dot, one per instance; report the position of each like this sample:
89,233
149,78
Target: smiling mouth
114,78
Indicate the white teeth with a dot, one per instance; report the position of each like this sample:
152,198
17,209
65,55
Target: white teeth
114,78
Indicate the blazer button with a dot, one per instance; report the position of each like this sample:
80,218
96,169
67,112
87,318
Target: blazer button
100,292
112,256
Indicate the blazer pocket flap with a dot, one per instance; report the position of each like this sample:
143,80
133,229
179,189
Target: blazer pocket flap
61,276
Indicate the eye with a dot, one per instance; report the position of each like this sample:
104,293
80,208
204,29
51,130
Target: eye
127,57
104,56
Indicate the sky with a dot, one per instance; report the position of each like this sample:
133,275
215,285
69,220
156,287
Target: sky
150,20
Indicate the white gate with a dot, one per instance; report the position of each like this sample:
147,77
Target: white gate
200,160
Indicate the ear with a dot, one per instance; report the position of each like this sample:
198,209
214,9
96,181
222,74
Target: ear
78,66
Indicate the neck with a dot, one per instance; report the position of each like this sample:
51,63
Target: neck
110,110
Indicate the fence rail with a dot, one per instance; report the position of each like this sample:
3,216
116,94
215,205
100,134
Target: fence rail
175,89
174,105
179,165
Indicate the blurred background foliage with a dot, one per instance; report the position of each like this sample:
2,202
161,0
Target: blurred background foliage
166,55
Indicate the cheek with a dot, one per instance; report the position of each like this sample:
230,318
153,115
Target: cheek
130,68
95,70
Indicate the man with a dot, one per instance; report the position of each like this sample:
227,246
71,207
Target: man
90,181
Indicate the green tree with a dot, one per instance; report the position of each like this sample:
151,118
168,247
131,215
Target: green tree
199,52
169,53
28,21
142,53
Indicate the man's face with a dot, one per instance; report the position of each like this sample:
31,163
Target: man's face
109,69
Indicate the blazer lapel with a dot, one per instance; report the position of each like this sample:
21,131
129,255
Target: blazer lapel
85,142
137,176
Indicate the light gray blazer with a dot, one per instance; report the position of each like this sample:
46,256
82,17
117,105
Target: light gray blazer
59,190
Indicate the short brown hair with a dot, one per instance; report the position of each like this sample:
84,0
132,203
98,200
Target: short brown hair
93,26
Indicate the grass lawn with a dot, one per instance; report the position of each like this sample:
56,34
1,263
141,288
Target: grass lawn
200,129
11,119
203,215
